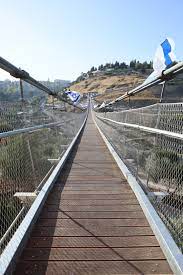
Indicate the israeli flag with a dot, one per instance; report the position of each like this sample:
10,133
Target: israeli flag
164,55
74,96
163,58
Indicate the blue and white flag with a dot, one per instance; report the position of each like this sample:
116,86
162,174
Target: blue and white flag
74,96
164,55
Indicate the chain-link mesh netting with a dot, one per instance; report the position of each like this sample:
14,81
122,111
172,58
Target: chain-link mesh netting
161,116
155,159
28,157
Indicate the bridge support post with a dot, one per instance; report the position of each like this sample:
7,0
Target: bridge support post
21,91
162,92
32,161
129,102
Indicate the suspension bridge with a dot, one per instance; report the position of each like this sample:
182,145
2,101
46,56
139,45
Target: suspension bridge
91,191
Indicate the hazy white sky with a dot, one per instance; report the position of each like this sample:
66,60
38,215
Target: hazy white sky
62,38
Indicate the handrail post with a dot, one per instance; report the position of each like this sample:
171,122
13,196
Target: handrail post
21,91
162,92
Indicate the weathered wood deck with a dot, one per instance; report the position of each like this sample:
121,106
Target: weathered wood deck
92,222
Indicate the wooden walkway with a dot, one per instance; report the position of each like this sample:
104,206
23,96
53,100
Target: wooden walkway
92,222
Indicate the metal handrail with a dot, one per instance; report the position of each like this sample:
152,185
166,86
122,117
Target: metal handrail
146,129
28,129
31,129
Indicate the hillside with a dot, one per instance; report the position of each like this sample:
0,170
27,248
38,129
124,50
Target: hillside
104,84
109,87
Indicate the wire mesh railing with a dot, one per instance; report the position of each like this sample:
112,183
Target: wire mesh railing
32,140
166,116
154,156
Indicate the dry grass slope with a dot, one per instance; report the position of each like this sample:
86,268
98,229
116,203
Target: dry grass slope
104,83
110,87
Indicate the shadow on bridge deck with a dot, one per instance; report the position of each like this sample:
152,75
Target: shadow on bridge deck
92,222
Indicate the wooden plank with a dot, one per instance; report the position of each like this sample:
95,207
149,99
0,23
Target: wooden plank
81,182
86,169
94,192
137,241
93,215
115,191
66,178
57,196
92,222
118,187
93,208
88,187
92,231
65,202
88,173
93,254
90,267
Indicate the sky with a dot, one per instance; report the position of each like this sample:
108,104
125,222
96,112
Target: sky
59,39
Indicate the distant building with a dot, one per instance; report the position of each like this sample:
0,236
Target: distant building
98,72
109,70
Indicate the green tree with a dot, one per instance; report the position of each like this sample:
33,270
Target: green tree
123,65
101,67
116,65
133,64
